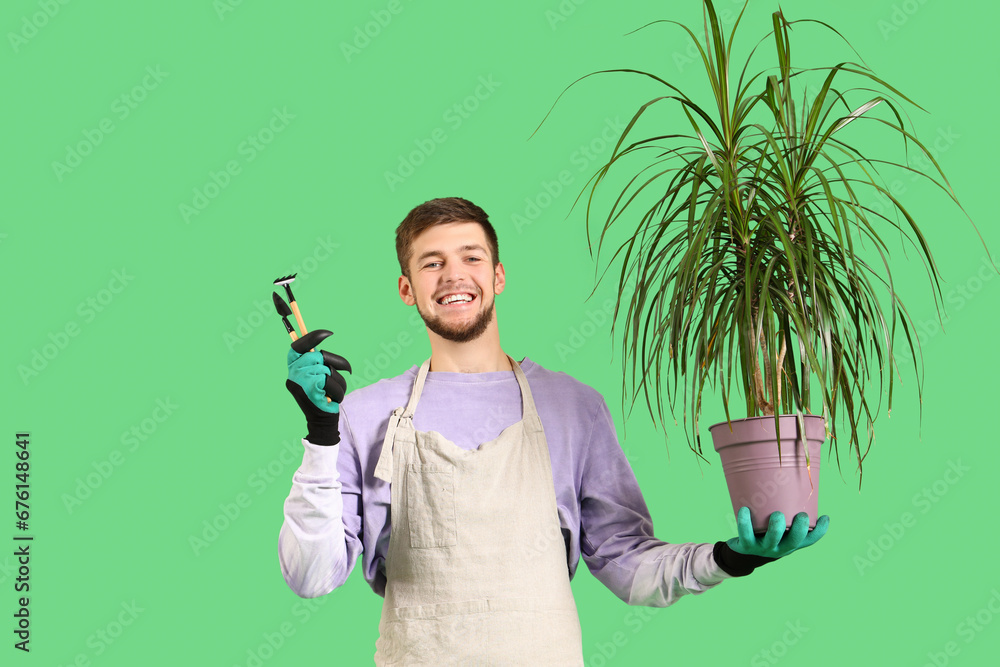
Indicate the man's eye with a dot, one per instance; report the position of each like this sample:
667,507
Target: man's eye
477,259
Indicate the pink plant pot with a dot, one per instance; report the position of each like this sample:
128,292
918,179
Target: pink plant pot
754,474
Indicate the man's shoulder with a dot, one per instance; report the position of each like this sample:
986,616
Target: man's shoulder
560,385
381,392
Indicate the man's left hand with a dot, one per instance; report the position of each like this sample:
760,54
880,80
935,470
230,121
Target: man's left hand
739,556
776,542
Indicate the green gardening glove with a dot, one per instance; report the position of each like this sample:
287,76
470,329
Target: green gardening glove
308,372
739,556
312,377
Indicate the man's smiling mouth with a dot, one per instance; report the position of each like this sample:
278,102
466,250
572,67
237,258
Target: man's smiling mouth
457,299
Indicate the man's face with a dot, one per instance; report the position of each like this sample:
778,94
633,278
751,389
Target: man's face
453,259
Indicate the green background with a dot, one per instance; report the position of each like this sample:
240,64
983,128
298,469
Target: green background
187,319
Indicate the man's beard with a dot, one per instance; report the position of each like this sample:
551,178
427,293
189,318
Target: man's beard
460,333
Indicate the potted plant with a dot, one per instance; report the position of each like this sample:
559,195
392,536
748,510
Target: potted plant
746,254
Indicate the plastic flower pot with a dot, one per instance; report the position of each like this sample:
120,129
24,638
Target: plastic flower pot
761,479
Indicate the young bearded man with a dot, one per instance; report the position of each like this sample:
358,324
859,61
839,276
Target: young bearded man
498,475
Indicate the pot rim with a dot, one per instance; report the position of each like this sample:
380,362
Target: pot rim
783,417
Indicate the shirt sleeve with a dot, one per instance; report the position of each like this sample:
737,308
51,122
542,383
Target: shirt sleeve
319,544
616,532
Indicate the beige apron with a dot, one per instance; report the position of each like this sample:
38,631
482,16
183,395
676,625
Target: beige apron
476,569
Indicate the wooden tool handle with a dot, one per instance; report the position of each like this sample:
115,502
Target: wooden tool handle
298,318
295,309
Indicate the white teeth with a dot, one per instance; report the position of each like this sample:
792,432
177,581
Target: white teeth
455,297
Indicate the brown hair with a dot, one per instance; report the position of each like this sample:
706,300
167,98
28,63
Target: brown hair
438,212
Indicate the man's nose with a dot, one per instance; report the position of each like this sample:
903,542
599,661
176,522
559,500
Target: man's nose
455,271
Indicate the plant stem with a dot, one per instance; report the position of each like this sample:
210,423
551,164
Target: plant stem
759,386
762,382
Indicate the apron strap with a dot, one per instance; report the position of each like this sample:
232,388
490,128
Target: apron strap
383,469
529,413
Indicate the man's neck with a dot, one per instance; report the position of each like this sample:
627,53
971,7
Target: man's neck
467,358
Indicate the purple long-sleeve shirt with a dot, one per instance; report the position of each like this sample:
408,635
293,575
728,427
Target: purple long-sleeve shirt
602,514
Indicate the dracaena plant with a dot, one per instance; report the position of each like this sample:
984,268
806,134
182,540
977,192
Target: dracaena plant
748,224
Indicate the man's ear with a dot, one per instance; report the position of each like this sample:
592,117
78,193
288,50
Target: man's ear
499,278
406,291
